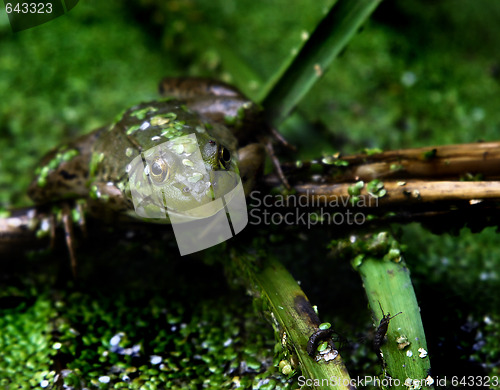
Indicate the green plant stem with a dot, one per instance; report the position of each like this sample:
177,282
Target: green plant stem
326,42
388,286
296,318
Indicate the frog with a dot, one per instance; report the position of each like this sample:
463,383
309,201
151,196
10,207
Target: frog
193,114
97,167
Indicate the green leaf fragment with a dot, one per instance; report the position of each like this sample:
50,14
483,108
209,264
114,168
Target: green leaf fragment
132,129
376,188
360,184
341,163
253,363
159,120
190,148
372,151
141,114
323,346
328,160
188,163
195,178
178,148
396,167
76,216
68,155
355,189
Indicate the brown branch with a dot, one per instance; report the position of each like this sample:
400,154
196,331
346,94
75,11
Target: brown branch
450,161
406,193
424,184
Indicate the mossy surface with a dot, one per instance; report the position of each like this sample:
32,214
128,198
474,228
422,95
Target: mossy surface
154,322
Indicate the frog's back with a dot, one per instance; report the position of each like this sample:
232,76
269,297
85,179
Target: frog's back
145,126
63,173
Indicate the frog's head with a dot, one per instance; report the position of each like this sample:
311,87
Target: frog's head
184,176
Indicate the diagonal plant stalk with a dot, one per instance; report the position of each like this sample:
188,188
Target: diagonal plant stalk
290,84
295,318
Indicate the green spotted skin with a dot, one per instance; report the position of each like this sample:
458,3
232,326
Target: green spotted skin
96,166
58,178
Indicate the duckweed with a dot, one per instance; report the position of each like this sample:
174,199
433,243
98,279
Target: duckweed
132,341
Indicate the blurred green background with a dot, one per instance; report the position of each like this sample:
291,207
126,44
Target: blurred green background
418,73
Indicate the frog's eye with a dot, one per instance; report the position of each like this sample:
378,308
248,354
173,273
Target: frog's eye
159,170
224,157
